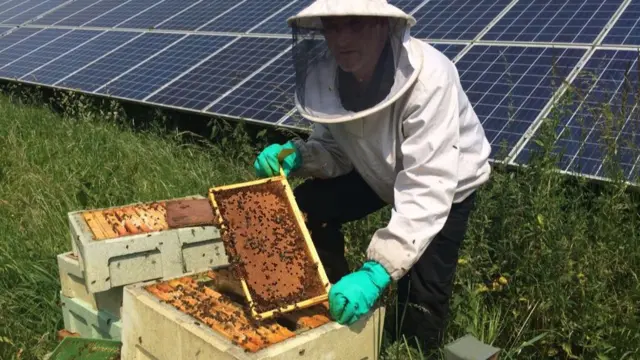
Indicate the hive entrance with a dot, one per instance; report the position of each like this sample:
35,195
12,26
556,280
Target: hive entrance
215,299
267,247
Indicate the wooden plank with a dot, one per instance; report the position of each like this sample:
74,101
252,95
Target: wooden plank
157,214
136,219
148,218
116,225
241,324
120,214
100,222
272,331
95,227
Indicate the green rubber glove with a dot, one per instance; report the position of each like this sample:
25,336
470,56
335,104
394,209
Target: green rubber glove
266,165
355,294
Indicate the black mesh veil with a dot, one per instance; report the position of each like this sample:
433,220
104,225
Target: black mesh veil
328,87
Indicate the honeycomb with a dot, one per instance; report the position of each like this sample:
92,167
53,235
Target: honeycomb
127,220
214,299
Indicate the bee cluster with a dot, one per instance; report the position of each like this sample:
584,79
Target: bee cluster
266,246
226,312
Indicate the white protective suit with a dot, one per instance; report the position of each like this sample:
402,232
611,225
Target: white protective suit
422,151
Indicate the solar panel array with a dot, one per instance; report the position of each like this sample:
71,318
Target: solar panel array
232,58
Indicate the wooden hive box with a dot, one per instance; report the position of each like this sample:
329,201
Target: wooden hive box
269,246
206,316
126,244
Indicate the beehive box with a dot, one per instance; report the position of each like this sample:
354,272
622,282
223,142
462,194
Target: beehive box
205,316
269,246
116,248
73,286
79,317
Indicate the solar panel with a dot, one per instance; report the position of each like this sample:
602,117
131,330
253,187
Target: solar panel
121,13
266,96
15,36
202,85
406,5
198,15
28,10
64,12
29,44
296,121
90,12
150,75
509,85
569,21
156,15
59,68
626,30
245,16
455,20
112,65
277,23
252,78
449,50
590,128
29,62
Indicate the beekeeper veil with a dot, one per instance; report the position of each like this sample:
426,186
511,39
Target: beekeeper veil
351,58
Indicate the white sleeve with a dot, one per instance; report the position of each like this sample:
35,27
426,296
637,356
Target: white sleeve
321,155
425,188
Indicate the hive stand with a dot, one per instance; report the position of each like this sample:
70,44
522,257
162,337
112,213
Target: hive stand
155,328
122,260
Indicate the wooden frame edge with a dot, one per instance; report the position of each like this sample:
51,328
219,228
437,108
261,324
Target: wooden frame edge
305,234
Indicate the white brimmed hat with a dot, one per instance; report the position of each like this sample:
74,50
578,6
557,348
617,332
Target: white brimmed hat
310,16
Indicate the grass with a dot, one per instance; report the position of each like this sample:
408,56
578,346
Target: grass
568,250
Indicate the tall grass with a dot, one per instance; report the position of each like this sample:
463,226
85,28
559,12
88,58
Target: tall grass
549,268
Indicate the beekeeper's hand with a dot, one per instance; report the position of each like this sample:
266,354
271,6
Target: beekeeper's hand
354,294
266,165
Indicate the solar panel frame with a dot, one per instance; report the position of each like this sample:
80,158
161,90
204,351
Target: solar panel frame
266,94
39,56
571,21
626,29
450,50
151,74
243,16
91,12
197,16
156,15
122,13
578,138
480,13
107,67
493,102
29,13
29,44
63,12
201,85
73,61
15,37
276,23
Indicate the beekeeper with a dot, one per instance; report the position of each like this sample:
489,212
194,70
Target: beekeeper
391,125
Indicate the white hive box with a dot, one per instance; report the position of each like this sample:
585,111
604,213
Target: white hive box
130,258
156,329
73,286
79,317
